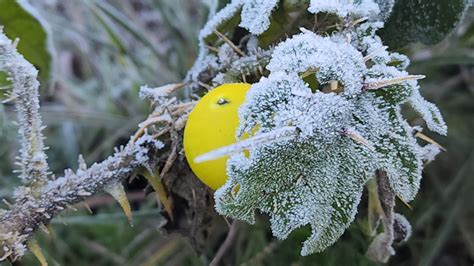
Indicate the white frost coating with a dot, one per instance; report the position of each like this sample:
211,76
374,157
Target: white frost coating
220,17
256,15
429,112
429,152
402,228
386,7
333,60
344,8
25,95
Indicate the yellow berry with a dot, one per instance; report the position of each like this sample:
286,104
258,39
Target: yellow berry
211,125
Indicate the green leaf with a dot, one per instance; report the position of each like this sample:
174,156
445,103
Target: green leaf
21,20
425,21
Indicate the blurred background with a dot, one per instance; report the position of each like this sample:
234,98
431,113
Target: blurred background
104,50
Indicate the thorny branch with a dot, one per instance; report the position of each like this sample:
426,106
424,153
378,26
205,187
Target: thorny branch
41,199
32,159
27,214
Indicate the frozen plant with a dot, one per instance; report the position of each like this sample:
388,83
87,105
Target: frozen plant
323,122
43,196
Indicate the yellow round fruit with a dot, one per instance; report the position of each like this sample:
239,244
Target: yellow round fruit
212,125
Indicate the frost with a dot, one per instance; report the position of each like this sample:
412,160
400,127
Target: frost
256,15
331,60
429,112
386,7
220,17
429,152
25,95
402,228
343,8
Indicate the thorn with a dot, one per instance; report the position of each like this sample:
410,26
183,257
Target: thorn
212,48
358,21
357,137
334,85
10,99
405,203
429,140
9,205
166,90
88,208
227,222
7,87
202,84
374,85
284,133
16,42
229,42
303,30
45,229
118,193
36,250
160,192
71,208
82,163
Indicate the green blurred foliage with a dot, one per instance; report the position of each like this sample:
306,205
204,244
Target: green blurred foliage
22,21
425,21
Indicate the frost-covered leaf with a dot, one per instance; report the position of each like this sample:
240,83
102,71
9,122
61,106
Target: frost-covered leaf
315,175
425,21
330,60
429,112
400,157
386,7
321,120
315,179
256,15
344,8
21,20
